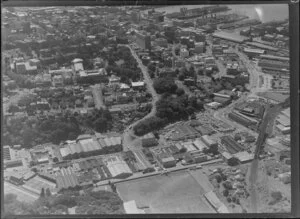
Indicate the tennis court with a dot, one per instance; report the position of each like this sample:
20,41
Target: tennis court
37,183
177,192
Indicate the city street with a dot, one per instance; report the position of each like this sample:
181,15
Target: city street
129,139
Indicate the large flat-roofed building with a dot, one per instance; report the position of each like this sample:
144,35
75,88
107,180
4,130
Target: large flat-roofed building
118,167
92,76
149,140
209,141
244,156
200,144
166,159
253,52
230,36
143,40
111,144
87,145
189,146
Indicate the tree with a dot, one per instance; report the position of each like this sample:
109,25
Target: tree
181,77
218,178
55,160
152,74
13,108
225,192
162,85
179,91
233,161
42,194
233,199
228,199
227,185
183,150
48,192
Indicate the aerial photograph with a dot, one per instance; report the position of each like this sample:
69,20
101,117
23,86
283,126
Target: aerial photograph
145,109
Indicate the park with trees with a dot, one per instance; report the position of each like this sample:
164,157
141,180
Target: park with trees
88,202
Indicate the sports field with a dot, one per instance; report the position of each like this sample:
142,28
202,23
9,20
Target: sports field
22,194
178,192
37,183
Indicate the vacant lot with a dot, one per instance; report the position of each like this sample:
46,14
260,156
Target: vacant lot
177,192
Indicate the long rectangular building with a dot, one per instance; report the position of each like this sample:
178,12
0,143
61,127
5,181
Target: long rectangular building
231,145
230,36
88,146
66,179
237,117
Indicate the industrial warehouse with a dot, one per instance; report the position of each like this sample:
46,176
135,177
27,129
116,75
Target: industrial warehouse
88,146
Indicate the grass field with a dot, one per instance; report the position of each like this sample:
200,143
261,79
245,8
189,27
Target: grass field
178,192
22,194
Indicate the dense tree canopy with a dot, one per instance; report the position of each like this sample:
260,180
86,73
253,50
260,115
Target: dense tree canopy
170,108
100,202
163,85
29,132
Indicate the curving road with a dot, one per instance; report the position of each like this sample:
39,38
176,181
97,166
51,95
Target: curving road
130,140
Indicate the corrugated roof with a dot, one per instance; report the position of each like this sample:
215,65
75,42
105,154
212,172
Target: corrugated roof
66,178
244,156
85,136
284,120
117,167
287,112
65,151
110,141
226,155
206,139
199,144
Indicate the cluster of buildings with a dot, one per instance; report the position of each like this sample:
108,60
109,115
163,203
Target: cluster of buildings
248,114
86,145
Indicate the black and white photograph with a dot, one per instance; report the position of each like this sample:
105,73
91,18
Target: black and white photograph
146,109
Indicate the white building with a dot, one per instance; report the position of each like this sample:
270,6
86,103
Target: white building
118,167
77,65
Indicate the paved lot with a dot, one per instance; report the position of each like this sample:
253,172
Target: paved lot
22,194
177,192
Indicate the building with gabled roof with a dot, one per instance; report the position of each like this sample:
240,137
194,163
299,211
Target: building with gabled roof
66,178
118,167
